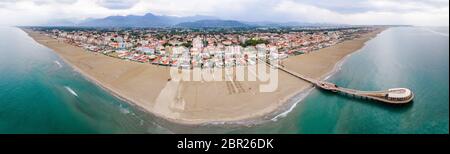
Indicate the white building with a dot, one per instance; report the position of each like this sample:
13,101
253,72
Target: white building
197,42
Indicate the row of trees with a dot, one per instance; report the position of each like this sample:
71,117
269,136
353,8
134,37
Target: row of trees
254,42
185,44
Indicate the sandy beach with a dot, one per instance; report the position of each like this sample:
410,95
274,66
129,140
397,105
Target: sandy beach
193,102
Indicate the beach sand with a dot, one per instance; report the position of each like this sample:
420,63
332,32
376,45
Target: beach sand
194,102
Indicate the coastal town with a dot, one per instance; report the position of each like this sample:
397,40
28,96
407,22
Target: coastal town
210,48
224,67
136,76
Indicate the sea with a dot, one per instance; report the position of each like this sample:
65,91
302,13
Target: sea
41,94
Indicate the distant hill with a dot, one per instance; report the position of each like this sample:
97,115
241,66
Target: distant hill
213,24
288,24
59,22
148,20
151,20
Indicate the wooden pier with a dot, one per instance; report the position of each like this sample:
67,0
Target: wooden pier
391,96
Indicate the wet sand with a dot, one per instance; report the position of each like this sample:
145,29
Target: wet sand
194,102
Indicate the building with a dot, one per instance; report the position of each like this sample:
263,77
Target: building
197,42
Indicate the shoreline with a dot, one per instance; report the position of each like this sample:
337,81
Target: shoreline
305,92
286,103
341,62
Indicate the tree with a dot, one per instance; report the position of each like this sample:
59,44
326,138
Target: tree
167,44
187,44
254,42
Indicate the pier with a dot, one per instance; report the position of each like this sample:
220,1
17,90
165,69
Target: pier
390,96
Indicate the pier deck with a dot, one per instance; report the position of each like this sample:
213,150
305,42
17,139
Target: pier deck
391,96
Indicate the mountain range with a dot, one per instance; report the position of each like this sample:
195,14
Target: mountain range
213,24
148,20
151,20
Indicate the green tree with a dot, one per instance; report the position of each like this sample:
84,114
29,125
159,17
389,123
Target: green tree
187,44
167,44
254,42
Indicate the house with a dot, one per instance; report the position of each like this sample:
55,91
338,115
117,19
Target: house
146,50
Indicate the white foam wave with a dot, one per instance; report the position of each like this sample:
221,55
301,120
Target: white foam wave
299,98
58,63
337,67
124,110
71,91
436,32
159,129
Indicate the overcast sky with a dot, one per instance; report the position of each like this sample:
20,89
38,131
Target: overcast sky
412,12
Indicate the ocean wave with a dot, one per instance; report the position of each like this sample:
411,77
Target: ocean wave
158,128
124,110
436,32
337,67
298,99
71,91
58,63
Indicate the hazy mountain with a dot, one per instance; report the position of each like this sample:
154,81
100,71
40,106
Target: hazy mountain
151,20
148,20
287,24
212,24
177,20
59,22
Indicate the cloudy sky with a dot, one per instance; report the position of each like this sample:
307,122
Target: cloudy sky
412,12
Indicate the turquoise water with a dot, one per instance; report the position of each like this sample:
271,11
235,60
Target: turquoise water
39,93
415,58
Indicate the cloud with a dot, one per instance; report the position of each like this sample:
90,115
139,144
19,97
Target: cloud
45,2
380,12
362,6
415,12
38,2
117,4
